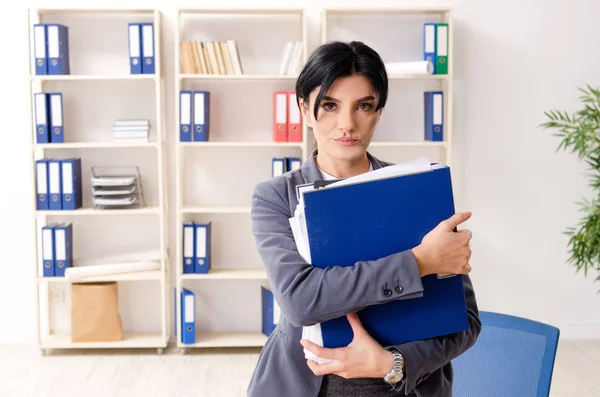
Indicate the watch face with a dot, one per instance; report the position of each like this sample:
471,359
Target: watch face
393,378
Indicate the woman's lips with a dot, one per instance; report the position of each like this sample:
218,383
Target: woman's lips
346,141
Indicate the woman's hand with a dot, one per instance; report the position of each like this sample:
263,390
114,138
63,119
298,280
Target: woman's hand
443,251
362,358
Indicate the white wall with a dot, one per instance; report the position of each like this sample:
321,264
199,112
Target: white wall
512,60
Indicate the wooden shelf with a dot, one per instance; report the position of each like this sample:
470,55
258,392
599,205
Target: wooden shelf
232,339
228,274
242,11
133,340
92,211
72,77
135,276
386,10
243,144
216,210
95,145
236,77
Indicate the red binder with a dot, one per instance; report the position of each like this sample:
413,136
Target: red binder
280,116
294,119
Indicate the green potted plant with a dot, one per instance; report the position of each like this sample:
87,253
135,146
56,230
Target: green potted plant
580,133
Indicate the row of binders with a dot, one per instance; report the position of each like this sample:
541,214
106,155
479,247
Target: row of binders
51,49
49,125
434,115
141,48
287,120
196,247
270,311
57,249
435,46
194,116
210,57
58,184
281,165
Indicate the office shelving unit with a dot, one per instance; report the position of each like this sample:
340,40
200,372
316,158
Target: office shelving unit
99,90
246,148
397,35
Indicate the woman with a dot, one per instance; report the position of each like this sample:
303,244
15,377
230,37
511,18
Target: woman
341,92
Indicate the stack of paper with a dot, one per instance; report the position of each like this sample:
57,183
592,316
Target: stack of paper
131,131
400,204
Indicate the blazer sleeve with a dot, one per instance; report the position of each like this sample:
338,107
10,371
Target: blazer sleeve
308,295
426,356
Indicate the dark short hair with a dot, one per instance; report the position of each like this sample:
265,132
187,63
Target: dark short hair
338,59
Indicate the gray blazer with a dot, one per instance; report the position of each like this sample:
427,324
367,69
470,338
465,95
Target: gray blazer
308,295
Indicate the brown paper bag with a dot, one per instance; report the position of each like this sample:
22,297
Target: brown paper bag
95,313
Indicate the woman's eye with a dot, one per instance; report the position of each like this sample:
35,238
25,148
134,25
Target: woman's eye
365,106
329,106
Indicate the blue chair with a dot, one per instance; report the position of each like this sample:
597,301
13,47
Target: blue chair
513,356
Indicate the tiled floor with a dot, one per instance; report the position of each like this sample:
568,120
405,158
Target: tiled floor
205,373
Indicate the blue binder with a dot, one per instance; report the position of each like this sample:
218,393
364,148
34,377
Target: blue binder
48,251
430,43
55,184
202,263
41,176
55,105
188,317
72,197
58,49
185,116
40,48
268,311
63,248
148,63
189,247
201,116
434,115
135,48
371,220
42,119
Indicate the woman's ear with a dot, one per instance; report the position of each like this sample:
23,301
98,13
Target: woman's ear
305,109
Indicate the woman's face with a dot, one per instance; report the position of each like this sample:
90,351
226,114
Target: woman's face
346,118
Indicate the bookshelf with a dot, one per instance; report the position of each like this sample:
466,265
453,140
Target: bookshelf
99,90
227,298
397,35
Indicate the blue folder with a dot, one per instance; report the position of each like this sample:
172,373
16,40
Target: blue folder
371,220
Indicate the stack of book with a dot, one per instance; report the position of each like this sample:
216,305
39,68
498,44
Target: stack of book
210,57
128,131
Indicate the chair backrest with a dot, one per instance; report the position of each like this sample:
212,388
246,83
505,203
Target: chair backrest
513,356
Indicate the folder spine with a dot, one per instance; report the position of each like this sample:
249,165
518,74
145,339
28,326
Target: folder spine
189,247
201,105
63,241
280,116
55,101
42,125
58,49
188,317
429,43
434,115
203,254
40,48
148,64
135,48
442,48
185,116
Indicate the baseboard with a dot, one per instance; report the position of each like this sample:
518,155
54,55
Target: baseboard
589,330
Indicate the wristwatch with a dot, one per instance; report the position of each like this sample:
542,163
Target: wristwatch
396,374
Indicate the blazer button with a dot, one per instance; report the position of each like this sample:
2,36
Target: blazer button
387,293
398,289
